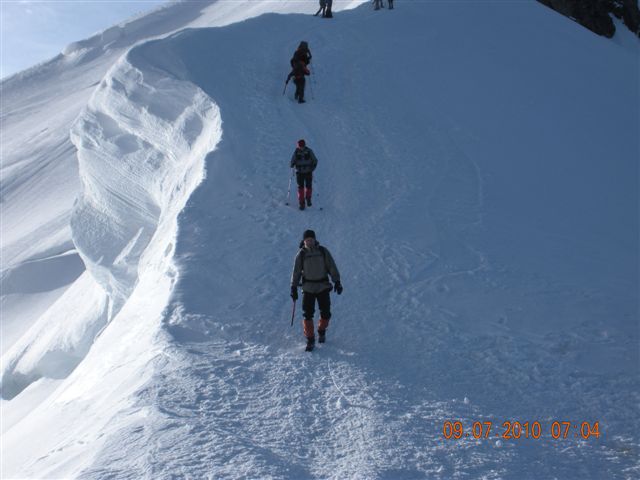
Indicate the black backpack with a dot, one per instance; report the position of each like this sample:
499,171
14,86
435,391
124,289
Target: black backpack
303,154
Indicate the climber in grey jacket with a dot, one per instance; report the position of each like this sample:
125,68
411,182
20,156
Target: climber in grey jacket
314,265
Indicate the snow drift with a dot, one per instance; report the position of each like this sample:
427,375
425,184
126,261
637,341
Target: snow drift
141,145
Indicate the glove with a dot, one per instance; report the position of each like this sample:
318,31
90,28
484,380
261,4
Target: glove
338,288
294,292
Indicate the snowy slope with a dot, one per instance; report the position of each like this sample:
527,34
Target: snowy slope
39,162
483,214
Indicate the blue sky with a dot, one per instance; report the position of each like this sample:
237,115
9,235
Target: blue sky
34,31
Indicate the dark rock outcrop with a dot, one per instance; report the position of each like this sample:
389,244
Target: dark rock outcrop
596,14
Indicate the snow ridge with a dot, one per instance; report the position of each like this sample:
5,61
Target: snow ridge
141,147
141,141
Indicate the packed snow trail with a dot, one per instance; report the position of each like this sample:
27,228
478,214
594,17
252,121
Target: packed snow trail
404,202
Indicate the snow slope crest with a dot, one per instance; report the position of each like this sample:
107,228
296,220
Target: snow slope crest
141,142
141,146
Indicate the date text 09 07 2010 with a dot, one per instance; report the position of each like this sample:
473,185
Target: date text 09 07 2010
455,430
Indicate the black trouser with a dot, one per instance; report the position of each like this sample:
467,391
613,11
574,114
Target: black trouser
309,304
327,12
299,82
304,179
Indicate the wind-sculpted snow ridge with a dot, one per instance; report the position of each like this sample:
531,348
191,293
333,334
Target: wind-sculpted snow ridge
142,143
141,146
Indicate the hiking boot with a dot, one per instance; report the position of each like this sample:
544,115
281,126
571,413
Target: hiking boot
322,336
301,206
322,328
311,342
308,202
301,100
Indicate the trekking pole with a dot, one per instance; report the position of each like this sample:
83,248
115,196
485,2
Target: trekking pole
285,87
289,188
293,313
